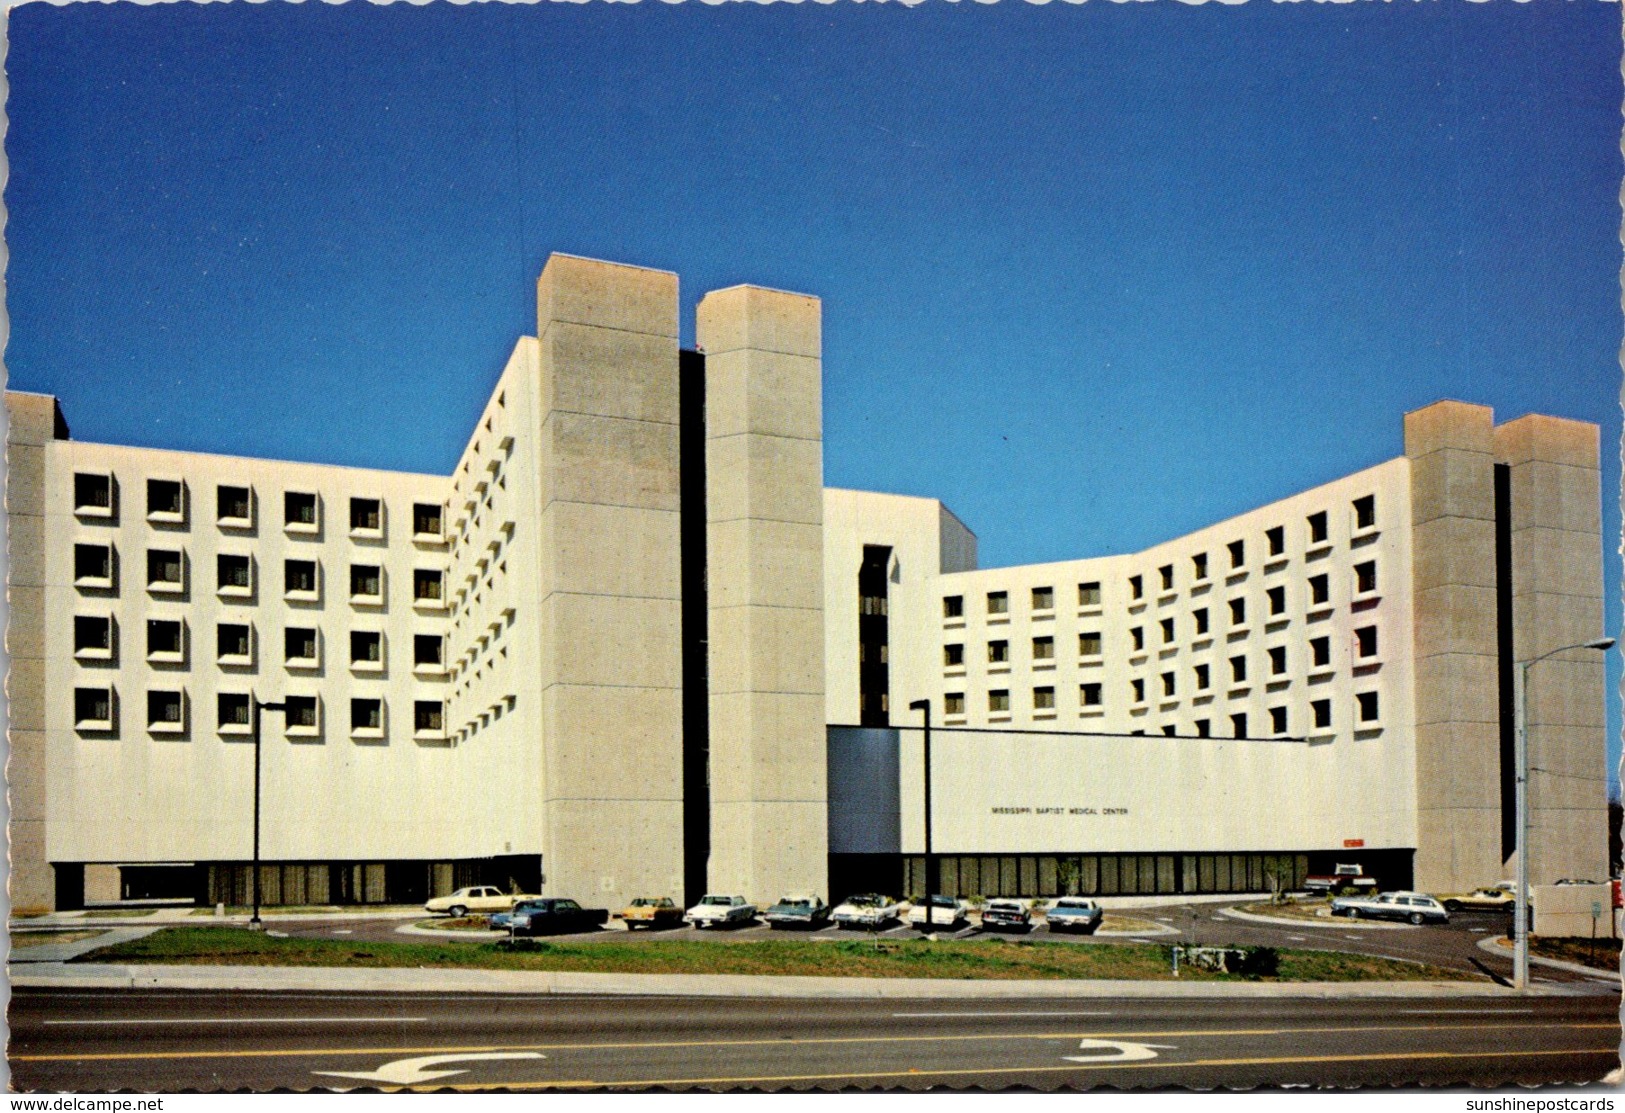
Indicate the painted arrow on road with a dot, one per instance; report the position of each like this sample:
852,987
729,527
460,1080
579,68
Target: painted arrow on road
407,1072
1115,1050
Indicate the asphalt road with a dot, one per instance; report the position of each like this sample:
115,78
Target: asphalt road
1452,946
171,1041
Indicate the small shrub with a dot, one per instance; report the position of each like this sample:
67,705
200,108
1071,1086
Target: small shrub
1259,962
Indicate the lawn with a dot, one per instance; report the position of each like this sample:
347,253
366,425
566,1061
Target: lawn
909,958
1601,953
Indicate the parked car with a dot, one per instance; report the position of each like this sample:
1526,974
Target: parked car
554,915
870,910
1488,898
948,912
650,912
1346,875
1074,914
1418,908
475,898
798,910
718,908
1002,914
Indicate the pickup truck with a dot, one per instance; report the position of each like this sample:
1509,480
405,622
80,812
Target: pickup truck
1343,877
554,915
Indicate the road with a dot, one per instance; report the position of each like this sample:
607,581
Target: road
170,1041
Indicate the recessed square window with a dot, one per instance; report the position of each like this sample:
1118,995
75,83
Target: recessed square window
1365,512
1238,612
92,636
166,712
1317,527
1320,651
1365,577
1204,728
953,606
428,586
1367,704
1137,687
366,582
303,715
998,652
1167,683
300,646
166,500
953,656
1166,572
953,703
998,700
1238,724
1320,590
299,578
1238,669
166,570
428,717
1277,720
1167,625
235,573
366,647
1089,694
1169,730
93,494
1199,617
1089,594
93,708
1136,587
1277,660
1238,553
1089,644
1322,711
1137,638
1044,699
234,643
1277,598
165,639
1275,538
234,506
428,649
1199,566
426,520
301,511
93,565
366,716
366,516
1365,641
1203,675
998,602
1044,648
233,715
1043,598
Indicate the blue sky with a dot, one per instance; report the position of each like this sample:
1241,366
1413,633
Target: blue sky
1094,275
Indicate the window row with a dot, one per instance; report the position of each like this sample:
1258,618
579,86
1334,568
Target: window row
96,566
96,637
1089,647
1043,598
1365,710
167,712
96,494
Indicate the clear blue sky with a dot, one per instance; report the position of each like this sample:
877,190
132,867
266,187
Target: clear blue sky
1094,275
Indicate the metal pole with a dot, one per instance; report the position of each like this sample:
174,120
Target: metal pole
924,707
254,923
1520,797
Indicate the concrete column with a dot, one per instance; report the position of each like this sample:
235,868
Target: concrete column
1458,760
34,421
1556,526
764,538
611,600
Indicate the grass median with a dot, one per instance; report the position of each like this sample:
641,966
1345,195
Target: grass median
905,958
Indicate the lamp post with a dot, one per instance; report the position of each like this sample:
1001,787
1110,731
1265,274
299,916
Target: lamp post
1520,760
924,707
254,923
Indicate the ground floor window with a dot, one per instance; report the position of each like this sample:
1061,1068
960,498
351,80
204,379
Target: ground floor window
1050,875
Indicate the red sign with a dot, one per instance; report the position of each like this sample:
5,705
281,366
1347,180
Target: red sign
1353,842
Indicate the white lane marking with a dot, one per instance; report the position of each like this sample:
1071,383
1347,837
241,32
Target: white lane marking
342,931
1355,937
1478,931
253,1020
981,1014
405,1072
1119,1050
1297,938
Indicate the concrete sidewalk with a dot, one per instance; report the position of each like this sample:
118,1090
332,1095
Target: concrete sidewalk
1503,949
347,980
63,952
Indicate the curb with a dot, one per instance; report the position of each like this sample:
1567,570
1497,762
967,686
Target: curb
551,983
1282,921
1493,946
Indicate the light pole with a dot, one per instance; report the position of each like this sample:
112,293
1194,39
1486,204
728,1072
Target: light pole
254,923
924,707
1520,760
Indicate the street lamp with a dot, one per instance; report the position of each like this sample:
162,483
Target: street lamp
924,707
254,923
1520,759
